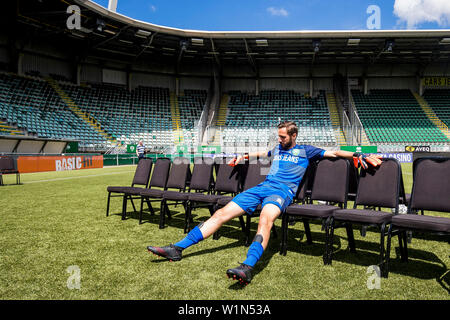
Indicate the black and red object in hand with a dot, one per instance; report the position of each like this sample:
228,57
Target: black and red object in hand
364,160
233,162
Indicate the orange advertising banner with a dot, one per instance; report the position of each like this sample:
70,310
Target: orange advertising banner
26,164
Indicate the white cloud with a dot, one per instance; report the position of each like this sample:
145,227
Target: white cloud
415,12
278,12
152,8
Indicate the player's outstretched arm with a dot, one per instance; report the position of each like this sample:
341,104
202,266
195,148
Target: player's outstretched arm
359,159
239,158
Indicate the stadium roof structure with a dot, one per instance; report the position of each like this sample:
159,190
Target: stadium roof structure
110,35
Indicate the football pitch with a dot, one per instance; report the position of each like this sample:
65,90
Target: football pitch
57,243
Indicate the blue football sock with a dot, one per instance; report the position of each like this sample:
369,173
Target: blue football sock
193,237
255,252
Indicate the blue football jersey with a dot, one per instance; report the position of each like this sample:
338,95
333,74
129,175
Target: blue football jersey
289,166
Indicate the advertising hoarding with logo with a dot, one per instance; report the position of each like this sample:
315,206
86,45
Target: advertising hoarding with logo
361,149
418,149
209,149
27,164
131,148
401,157
436,82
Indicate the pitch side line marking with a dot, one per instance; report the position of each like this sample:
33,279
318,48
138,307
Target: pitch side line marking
70,178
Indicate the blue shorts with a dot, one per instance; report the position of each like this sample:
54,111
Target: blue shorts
262,194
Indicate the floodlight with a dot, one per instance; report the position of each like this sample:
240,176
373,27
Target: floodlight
316,45
261,42
389,45
100,25
142,33
196,42
184,44
353,42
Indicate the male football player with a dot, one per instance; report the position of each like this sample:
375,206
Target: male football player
275,193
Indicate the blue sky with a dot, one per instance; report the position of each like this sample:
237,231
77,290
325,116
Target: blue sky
281,15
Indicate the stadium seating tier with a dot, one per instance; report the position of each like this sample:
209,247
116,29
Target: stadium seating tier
258,115
395,116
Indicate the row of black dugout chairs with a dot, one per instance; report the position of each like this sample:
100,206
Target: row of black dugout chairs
322,196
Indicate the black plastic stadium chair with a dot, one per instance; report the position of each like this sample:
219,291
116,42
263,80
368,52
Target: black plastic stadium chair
8,166
201,182
431,191
179,176
228,182
156,186
330,185
378,188
141,178
255,171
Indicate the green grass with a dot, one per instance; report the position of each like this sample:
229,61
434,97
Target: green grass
57,219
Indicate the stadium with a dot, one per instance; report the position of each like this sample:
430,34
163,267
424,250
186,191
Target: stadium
81,85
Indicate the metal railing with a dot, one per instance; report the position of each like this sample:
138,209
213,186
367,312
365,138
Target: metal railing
347,128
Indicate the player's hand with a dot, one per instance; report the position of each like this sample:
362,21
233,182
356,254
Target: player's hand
365,160
233,162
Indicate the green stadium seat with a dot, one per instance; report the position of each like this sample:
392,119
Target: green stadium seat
33,105
395,116
439,101
258,115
